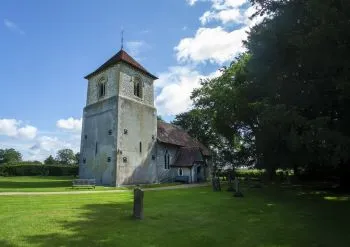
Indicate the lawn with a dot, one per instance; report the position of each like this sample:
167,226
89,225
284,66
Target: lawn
189,217
38,183
50,183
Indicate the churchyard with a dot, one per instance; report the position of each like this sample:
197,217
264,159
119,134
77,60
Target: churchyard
269,216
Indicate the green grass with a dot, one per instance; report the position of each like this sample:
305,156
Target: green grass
38,184
265,217
55,184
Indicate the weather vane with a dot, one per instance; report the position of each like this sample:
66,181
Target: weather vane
122,39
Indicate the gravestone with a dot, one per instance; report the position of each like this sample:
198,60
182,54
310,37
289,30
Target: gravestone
216,184
238,192
138,204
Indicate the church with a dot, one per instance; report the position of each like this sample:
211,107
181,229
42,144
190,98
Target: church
122,142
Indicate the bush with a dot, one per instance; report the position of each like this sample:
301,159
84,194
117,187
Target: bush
281,174
35,169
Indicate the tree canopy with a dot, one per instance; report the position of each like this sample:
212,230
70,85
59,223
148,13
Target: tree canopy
9,156
66,156
284,102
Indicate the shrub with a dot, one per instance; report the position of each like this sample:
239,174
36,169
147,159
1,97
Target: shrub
35,169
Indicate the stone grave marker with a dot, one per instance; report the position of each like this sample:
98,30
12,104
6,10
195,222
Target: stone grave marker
138,204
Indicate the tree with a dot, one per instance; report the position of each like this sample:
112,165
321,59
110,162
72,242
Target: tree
284,103
77,158
10,156
306,72
50,160
66,156
159,117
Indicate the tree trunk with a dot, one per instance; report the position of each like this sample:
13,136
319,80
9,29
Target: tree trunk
271,171
345,176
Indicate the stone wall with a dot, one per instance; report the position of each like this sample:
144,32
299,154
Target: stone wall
98,142
127,78
166,175
137,126
110,77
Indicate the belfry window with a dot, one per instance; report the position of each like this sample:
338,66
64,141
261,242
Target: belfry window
138,87
101,89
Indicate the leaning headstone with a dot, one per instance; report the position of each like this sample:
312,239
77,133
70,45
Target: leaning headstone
216,184
138,204
238,192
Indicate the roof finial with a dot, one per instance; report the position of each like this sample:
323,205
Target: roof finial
122,39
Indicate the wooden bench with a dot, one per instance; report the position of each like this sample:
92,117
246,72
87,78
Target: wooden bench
84,183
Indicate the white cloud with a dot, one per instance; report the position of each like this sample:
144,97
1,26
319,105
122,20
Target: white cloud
176,86
215,45
248,14
27,132
220,4
135,48
12,128
225,16
71,124
13,27
191,2
225,4
225,11
8,127
49,145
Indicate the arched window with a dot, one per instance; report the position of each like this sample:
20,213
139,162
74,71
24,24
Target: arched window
180,172
166,160
101,89
138,87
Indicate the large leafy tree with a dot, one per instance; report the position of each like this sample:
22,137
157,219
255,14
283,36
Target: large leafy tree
50,160
285,101
300,55
199,124
66,156
10,156
231,119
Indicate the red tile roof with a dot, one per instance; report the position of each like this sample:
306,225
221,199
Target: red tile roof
168,133
188,156
121,56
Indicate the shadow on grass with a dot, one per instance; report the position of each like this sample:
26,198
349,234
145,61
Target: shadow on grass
199,217
4,243
34,184
99,225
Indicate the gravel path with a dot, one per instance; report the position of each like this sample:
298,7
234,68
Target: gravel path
181,186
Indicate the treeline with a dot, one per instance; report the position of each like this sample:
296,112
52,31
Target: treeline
285,102
63,157
64,164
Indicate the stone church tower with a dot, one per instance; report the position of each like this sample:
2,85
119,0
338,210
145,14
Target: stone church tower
119,124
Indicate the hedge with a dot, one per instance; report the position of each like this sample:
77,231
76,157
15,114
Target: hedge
38,169
259,173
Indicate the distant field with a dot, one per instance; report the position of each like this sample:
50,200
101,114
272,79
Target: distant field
196,217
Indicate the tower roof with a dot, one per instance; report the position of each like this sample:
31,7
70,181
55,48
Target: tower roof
121,56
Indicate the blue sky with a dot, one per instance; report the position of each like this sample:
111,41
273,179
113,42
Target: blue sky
47,47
